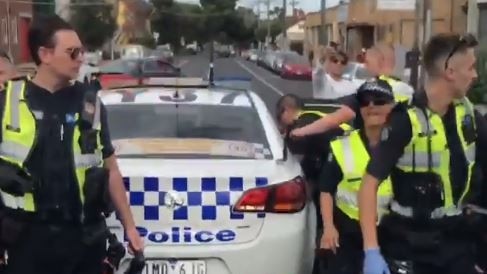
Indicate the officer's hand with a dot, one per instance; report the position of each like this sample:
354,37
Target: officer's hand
297,133
135,241
374,263
329,240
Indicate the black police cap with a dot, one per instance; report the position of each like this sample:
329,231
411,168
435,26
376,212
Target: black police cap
375,87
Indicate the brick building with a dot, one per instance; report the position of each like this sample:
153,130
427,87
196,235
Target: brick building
14,26
360,24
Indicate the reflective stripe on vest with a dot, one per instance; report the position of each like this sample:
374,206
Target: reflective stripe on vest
352,157
18,138
437,213
427,125
399,95
345,127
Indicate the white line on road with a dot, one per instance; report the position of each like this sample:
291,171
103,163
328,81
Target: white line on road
258,77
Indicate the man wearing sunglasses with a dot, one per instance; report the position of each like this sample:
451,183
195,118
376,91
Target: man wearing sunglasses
56,163
429,151
342,175
380,62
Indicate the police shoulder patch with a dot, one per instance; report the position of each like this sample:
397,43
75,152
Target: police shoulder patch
384,135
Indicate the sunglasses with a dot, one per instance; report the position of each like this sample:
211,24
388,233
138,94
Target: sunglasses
75,53
376,101
337,61
464,40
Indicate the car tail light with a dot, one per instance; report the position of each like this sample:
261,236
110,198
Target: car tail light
286,197
288,67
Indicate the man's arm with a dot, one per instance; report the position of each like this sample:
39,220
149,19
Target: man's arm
381,164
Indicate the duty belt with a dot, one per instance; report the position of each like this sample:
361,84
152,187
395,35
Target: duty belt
437,213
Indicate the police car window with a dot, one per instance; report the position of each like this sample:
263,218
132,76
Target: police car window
163,122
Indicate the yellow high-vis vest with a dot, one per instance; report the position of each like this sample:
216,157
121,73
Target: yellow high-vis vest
428,130
352,157
345,127
19,138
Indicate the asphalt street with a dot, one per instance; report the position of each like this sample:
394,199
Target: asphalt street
267,85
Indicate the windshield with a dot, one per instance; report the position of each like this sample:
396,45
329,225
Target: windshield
219,126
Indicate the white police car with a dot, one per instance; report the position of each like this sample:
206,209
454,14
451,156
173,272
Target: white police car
209,186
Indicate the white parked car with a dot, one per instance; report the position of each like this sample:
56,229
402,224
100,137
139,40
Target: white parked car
209,184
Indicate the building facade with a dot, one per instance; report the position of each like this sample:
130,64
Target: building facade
15,19
360,23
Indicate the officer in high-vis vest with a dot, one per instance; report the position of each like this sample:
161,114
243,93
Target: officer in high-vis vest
429,151
58,172
292,112
380,63
342,175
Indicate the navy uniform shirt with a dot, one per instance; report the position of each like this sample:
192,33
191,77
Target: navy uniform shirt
385,157
51,161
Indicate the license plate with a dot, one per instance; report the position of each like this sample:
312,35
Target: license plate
175,267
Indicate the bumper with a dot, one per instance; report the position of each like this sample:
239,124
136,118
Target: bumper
284,245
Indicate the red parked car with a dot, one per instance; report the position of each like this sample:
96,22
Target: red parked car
296,67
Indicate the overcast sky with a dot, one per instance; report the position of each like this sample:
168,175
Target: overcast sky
306,5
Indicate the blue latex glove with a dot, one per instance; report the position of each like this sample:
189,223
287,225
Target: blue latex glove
374,263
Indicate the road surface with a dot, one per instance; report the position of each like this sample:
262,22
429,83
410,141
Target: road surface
266,84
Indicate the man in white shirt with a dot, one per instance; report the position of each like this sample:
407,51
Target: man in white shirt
327,77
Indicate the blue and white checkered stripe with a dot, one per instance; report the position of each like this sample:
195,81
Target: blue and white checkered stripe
205,199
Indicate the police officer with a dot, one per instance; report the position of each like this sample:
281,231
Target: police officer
292,112
341,178
429,151
58,168
380,62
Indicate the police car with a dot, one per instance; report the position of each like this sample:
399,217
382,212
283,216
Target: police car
210,186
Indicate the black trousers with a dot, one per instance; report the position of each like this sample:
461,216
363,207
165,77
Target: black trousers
54,249
416,249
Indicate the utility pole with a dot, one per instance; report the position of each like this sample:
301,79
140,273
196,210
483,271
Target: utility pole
414,60
427,24
294,3
7,4
268,38
284,25
323,36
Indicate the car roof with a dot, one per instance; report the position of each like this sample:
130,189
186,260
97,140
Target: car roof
173,95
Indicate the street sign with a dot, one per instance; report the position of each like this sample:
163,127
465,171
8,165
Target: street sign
396,4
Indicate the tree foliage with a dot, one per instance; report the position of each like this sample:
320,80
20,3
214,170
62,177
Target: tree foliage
213,19
84,18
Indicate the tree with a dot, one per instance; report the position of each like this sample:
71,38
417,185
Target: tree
84,19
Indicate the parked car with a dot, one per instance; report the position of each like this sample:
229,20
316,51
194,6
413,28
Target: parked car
280,59
132,70
296,67
164,53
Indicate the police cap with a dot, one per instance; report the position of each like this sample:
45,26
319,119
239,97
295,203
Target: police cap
375,88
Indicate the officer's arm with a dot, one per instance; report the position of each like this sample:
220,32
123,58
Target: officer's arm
333,120
116,186
330,177
384,158
481,153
